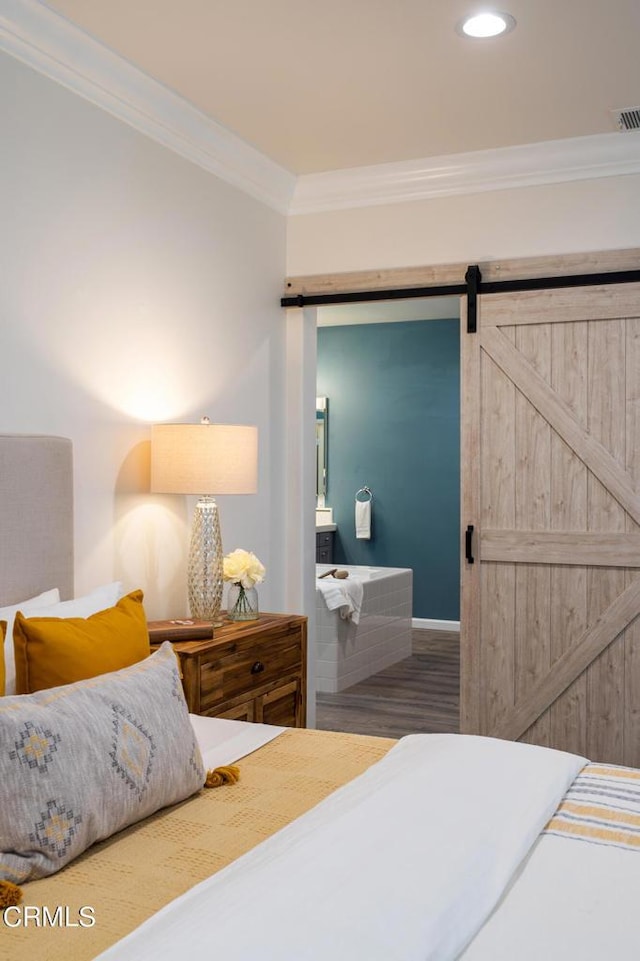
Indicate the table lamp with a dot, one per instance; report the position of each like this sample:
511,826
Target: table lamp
204,459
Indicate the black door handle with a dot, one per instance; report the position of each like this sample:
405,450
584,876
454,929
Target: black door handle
468,544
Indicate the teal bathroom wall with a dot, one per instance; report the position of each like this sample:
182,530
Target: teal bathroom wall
394,426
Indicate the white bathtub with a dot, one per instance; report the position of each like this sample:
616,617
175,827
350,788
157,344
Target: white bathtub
347,652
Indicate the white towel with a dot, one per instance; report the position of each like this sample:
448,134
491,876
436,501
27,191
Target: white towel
363,520
344,596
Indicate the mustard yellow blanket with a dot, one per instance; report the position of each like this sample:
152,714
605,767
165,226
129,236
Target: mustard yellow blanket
119,883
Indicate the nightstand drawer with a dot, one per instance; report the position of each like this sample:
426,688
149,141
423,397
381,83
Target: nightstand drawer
324,539
246,670
249,670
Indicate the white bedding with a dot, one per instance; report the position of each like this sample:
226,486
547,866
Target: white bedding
582,879
222,741
571,900
405,863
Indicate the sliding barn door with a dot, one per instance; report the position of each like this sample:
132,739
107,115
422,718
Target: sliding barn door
550,632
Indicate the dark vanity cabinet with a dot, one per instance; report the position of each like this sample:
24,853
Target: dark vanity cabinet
324,547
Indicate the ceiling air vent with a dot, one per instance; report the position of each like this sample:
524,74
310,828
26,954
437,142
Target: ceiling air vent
627,119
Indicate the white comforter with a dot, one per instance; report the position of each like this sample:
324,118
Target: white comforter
403,864
572,900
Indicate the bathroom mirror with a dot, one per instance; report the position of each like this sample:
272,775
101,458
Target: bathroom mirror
322,425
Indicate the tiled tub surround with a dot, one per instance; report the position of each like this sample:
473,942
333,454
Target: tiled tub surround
348,652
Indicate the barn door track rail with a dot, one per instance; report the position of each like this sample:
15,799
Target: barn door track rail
473,287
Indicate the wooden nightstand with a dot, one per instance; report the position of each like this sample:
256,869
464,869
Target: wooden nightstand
249,671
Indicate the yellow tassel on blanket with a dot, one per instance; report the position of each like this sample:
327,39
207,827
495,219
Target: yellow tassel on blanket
10,894
227,774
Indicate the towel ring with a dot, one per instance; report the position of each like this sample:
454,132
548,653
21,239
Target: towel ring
368,495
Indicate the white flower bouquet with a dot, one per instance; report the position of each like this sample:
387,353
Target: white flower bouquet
244,570
243,567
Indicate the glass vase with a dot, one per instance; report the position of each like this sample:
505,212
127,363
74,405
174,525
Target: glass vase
242,603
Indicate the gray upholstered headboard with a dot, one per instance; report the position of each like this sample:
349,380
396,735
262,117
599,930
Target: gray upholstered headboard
36,516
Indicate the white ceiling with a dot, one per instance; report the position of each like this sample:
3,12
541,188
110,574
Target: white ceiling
347,83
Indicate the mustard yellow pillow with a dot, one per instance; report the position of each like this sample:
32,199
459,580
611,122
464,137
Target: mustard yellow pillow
3,631
51,651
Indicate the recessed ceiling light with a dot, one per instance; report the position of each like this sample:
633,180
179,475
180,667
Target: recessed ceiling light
488,24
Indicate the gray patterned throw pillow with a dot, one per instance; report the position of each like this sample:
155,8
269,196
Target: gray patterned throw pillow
80,762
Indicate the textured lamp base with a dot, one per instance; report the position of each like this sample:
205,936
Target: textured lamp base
204,572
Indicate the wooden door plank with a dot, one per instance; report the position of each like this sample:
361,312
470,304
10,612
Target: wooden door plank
606,407
497,583
470,662
591,451
601,549
572,663
533,584
569,513
564,305
632,634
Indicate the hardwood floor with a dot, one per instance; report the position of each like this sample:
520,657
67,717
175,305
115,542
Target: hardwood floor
417,695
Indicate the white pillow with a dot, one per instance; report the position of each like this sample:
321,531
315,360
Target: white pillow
98,600
8,614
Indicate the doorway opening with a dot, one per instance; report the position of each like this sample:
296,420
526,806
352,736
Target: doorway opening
388,374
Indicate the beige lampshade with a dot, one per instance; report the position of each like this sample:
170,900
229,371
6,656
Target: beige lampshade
204,459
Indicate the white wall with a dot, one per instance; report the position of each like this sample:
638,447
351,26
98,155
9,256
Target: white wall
585,215
135,288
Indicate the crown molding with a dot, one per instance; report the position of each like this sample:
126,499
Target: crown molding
555,161
48,42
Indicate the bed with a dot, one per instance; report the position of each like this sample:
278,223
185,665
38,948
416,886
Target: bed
329,845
